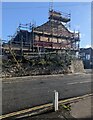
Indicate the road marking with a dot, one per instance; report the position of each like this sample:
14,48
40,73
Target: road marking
41,107
79,82
24,111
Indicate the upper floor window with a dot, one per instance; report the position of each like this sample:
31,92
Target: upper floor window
87,56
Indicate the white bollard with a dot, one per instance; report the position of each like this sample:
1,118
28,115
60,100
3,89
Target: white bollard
55,103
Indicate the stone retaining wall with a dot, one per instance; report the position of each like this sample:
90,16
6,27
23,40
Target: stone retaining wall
77,66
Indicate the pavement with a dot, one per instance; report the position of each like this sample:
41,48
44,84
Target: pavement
83,108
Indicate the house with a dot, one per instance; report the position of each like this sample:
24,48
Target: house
86,54
50,36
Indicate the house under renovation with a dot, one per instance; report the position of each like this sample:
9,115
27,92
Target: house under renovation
51,36
36,50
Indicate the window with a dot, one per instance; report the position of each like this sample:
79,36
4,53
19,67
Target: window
87,56
82,54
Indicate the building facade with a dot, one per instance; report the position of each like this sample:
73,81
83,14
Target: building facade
86,54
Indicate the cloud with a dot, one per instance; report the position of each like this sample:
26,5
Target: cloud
82,35
88,46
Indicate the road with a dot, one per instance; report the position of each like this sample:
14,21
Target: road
21,93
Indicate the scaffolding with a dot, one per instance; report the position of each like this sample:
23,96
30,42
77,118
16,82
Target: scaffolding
28,43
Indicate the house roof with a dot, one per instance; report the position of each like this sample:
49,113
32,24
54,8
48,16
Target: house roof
55,28
64,17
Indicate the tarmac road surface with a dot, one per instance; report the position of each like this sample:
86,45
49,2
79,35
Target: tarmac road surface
21,93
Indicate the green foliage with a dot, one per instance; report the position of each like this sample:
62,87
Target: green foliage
66,107
52,60
50,63
42,62
33,62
